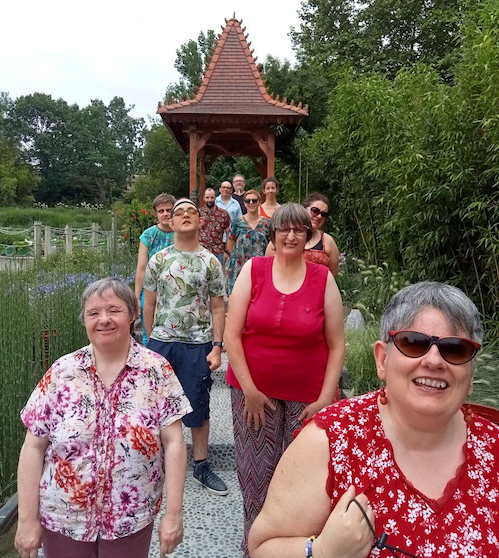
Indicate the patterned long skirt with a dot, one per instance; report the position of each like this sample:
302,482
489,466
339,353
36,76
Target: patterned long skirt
258,452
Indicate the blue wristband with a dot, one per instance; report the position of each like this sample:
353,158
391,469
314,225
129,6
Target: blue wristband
308,547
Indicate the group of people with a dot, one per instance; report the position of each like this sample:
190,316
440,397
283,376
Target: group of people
408,469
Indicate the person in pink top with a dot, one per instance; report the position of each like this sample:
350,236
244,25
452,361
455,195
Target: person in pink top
285,342
103,437
407,470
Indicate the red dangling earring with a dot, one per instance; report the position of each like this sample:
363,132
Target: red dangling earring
468,415
382,396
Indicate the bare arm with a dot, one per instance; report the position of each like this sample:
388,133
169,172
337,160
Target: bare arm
297,507
255,401
142,260
217,308
333,253
171,528
335,338
29,530
148,310
229,245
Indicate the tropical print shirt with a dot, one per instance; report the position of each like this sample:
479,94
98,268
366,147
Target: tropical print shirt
184,282
248,244
215,222
155,239
103,473
464,522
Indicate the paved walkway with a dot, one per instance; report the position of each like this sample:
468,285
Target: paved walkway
213,524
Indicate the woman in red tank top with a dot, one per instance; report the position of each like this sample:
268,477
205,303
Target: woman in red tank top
285,342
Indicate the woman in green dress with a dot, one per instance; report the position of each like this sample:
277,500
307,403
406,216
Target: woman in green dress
248,237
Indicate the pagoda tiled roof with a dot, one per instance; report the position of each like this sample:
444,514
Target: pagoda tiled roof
233,88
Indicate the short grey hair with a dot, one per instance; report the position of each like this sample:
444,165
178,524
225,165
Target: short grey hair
409,302
290,215
118,287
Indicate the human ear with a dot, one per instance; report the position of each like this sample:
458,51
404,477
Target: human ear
380,355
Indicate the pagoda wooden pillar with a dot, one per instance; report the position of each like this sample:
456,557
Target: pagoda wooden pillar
270,154
193,157
202,177
266,143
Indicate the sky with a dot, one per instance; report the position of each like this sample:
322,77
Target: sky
99,49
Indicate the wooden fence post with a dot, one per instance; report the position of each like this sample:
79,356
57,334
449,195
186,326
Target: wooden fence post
95,235
114,233
37,240
47,240
69,239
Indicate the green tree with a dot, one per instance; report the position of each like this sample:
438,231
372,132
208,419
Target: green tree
17,179
166,167
380,35
190,63
84,154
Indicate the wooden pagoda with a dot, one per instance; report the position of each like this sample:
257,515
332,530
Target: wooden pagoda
232,112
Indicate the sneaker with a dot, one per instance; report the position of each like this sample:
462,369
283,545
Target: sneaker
210,480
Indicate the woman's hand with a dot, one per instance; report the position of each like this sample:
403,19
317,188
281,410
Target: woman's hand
171,533
29,537
254,408
346,533
310,410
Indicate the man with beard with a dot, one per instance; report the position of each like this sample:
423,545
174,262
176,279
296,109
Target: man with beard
239,183
184,316
214,223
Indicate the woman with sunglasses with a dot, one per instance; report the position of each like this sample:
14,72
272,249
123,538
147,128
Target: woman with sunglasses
248,237
411,462
285,341
321,248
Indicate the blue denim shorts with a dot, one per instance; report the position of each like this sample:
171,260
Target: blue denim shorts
192,370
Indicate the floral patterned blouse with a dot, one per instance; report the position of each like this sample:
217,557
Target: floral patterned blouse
248,244
463,523
103,473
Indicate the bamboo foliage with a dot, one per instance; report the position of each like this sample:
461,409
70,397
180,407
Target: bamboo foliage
412,167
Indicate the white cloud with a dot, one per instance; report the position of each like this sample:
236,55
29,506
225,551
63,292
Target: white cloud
99,49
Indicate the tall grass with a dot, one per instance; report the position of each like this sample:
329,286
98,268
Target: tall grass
38,324
54,217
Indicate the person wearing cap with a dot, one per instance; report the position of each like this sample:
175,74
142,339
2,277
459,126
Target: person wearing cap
184,316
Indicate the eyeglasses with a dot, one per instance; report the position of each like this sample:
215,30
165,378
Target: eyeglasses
454,350
298,231
181,211
249,201
316,211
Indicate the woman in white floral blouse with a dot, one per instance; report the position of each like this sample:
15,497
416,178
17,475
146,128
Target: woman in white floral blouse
422,466
103,436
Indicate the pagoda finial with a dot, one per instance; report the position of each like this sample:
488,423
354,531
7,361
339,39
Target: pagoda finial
234,16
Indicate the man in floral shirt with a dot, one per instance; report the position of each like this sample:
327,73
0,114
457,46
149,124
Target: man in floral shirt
184,317
214,223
